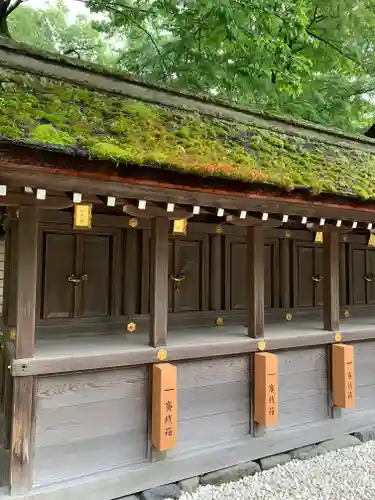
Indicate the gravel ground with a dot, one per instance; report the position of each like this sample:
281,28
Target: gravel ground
347,474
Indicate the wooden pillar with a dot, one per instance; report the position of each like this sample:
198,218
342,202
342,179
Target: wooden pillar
285,273
331,282
131,272
255,281
159,281
23,387
216,272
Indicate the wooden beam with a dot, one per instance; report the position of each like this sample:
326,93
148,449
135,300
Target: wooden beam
159,282
255,281
329,228
54,179
253,221
50,203
155,211
23,388
331,282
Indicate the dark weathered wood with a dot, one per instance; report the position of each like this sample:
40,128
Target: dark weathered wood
130,284
21,437
23,411
285,273
26,280
152,210
216,273
50,203
331,283
97,184
343,264
255,281
159,282
253,221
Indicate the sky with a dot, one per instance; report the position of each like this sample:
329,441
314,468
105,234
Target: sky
74,6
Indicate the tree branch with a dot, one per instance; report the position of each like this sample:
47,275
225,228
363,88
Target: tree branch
13,7
110,7
332,45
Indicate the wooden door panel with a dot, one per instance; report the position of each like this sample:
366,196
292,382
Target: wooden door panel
238,276
188,262
370,273
358,272
171,272
304,262
59,263
96,264
238,273
318,272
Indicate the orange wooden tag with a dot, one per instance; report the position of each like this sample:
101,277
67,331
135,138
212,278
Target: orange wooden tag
343,376
164,406
266,388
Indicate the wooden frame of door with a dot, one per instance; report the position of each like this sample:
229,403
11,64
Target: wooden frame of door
275,271
116,265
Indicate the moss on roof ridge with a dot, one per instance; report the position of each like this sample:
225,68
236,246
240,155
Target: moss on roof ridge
42,110
63,60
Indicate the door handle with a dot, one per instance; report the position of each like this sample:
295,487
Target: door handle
77,281
368,278
317,278
73,279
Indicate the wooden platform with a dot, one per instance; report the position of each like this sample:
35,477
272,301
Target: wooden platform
65,351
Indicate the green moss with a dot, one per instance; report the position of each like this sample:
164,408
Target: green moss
122,130
47,134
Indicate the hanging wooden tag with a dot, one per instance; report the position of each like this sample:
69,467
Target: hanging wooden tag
371,240
343,376
164,406
319,237
82,216
266,388
180,226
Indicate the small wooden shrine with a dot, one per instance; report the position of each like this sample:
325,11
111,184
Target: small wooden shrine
187,285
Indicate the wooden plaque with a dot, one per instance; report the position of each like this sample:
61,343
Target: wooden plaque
164,406
343,376
266,388
82,216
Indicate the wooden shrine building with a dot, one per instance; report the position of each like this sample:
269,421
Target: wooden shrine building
187,285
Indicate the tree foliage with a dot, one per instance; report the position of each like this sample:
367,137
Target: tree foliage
312,59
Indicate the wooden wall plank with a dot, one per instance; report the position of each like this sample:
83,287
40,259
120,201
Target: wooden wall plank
89,422
213,402
255,281
303,387
331,282
159,282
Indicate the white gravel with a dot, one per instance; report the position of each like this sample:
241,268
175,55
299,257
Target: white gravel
347,474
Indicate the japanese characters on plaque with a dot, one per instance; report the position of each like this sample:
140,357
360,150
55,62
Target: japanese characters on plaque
82,216
343,376
164,406
266,388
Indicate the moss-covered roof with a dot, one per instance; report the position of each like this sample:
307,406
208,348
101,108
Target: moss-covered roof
39,109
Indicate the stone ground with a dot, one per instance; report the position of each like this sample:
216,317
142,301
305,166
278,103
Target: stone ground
337,469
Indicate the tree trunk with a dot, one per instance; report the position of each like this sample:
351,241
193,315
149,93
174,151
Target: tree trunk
4,30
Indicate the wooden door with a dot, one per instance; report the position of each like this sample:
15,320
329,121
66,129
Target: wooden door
96,264
358,276
58,294
308,275
236,273
188,265
370,275
70,256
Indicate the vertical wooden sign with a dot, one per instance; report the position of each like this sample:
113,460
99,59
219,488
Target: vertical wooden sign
164,406
343,376
266,388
